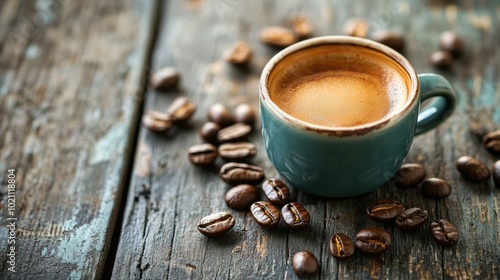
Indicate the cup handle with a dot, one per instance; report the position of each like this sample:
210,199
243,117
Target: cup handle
432,85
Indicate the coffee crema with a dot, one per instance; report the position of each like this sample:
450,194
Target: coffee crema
339,85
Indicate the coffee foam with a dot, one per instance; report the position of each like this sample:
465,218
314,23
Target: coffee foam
339,85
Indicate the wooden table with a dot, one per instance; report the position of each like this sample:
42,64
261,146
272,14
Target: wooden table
99,196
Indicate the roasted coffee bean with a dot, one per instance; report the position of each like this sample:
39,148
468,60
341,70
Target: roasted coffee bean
239,53
181,109
165,78
411,219
241,173
304,264
450,42
156,121
496,173
356,27
265,214
237,152
276,191
295,216
219,114
384,210
436,188
216,224
441,59
492,141
373,240
472,169
202,154
341,246
391,39
302,26
244,113
234,133
278,36
409,175
241,197
208,132
444,232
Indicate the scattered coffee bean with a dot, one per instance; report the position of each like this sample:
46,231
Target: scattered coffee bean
276,191
165,78
444,232
384,210
181,109
496,173
357,27
391,39
492,141
216,224
244,113
239,53
241,173
234,133
441,59
265,214
436,188
472,169
156,121
219,114
373,240
295,216
208,132
302,26
278,36
409,175
341,246
450,42
411,219
304,264
202,154
242,197
237,152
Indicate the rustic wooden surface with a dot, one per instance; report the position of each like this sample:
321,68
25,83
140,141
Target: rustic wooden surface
68,111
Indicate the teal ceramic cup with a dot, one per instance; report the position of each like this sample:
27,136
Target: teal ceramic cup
348,161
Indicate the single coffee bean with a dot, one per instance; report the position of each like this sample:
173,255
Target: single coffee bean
444,232
409,175
265,214
441,59
234,133
208,132
341,246
217,224
295,216
278,36
373,240
302,26
202,154
473,169
304,264
241,173
156,121
219,114
391,39
436,188
492,142
356,27
496,173
181,109
165,78
239,53
276,191
411,219
384,210
237,152
450,42
244,113
242,197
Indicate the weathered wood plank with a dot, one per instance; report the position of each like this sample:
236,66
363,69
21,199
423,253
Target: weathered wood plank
70,77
